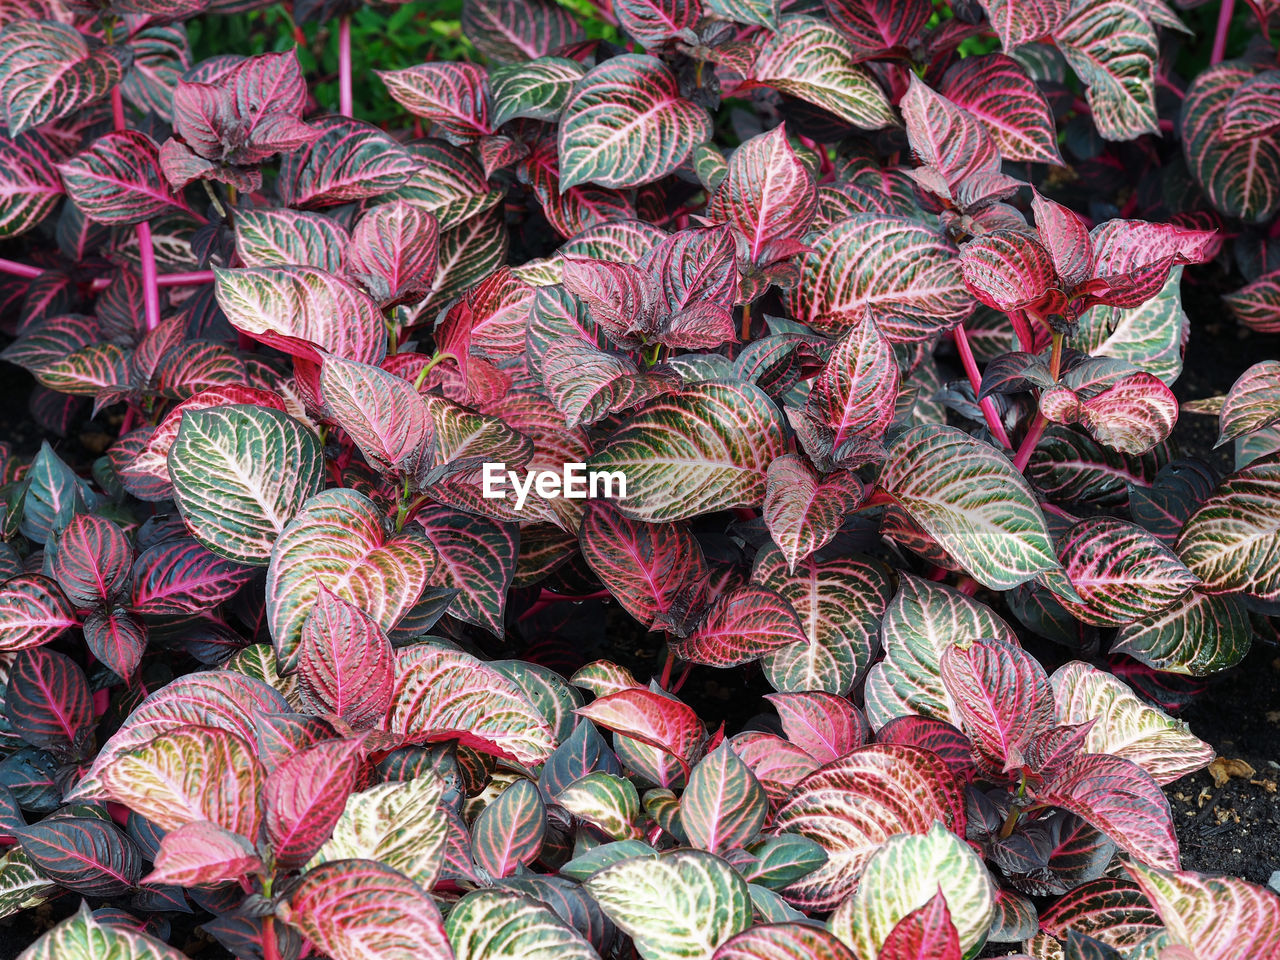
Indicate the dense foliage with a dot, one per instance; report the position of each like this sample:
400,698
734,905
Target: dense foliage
297,661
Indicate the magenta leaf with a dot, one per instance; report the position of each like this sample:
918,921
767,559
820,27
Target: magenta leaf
393,252
803,511
996,89
924,934
48,704
1254,109
626,124
1112,47
1066,236
117,639
1122,800
91,560
454,97
33,611
824,725
509,831
652,569
346,666
90,856
349,160
477,557
29,184
652,718
304,796
656,22
878,29
1002,696
117,180
1008,269
948,139
48,71
778,764
180,577
783,941
518,30
1016,23
380,411
742,625
1132,415
937,736
201,853
1132,258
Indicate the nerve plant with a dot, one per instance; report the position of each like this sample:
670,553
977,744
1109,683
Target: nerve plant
278,660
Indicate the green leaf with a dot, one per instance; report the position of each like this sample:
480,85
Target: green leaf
723,806
239,475
703,449
537,89
903,876
607,802
496,925
679,906
81,937
1112,47
1199,635
1151,337
973,502
509,831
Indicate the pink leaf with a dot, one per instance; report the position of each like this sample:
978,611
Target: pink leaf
996,89
304,797
1002,697
742,625
924,934
346,665
651,718
804,512
1007,269
1066,236
201,853
854,395
393,252
655,22
453,96
946,137
824,725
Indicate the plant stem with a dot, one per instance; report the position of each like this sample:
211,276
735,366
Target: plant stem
15,269
1022,330
988,405
1225,12
422,374
1036,431
190,279
146,252
746,322
344,66
667,667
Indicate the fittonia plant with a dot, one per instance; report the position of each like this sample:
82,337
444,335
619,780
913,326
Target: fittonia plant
283,659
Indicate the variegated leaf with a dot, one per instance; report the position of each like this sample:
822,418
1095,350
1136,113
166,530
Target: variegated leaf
1199,635
281,238
1124,725
47,71
742,625
878,29
299,309
1253,402
240,473
803,511
190,773
854,804
537,89
477,557
445,694
651,718
345,665
1017,23
1232,542
810,59
349,160
680,906
903,876
723,806
304,797
1219,918
201,853
454,97
1121,572
33,611
29,184
924,619
509,831
381,412
399,823
997,90
493,924
1008,269
1001,696
972,502
337,540
357,909
705,448
626,125
1151,336
1112,48
83,937
880,265
117,180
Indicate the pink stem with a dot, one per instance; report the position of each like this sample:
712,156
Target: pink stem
1224,26
15,269
146,252
971,369
1022,330
344,67
191,279
1023,456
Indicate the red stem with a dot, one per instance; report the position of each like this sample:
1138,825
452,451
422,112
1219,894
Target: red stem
270,948
665,681
971,369
1022,330
344,67
146,252
1023,456
15,269
1225,12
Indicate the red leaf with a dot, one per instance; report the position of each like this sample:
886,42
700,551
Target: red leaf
936,736
1007,269
91,560
47,702
117,639
1021,21
453,96
996,89
33,611
1066,236
854,395
655,22
768,196
1132,258
394,252
346,665
493,313
824,725
1002,696
924,934
651,718
1122,800
654,569
804,512
945,137
179,577
304,797
201,853
879,29
1132,415
380,411
742,625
